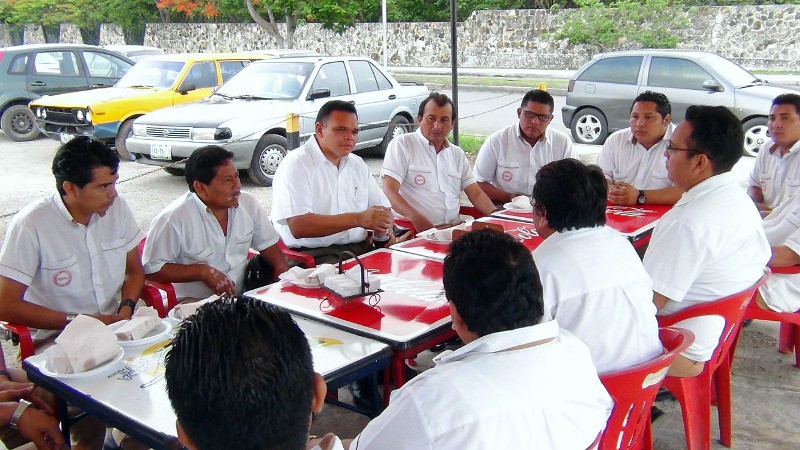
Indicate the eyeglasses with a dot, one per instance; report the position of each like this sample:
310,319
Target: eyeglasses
541,117
671,147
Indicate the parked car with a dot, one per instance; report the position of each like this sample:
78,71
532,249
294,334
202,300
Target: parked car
153,83
600,93
247,115
135,52
28,72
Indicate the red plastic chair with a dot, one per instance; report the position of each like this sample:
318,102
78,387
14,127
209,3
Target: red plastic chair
151,294
471,211
634,389
304,259
694,393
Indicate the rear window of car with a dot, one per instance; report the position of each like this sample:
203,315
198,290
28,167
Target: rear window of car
676,73
624,69
19,65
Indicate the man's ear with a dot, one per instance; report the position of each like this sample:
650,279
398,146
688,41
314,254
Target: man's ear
318,128
69,188
667,119
199,188
184,438
320,391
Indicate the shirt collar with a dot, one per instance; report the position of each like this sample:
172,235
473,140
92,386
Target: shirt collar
58,201
503,340
542,138
793,149
202,207
667,135
428,144
318,157
708,185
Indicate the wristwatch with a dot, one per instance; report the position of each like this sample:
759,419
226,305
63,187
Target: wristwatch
71,317
642,198
23,405
127,302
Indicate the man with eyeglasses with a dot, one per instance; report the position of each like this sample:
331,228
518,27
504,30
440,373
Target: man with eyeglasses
711,243
633,159
424,174
509,159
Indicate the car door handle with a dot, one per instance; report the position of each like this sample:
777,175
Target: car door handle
38,84
392,97
100,85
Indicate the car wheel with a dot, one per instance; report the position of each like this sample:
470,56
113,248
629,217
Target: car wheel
589,126
125,131
270,151
755,134
19,123
174,171
398,126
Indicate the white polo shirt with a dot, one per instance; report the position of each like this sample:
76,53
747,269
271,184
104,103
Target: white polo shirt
782,227
430,182
623,158
711,244
186,232
778,177
510,163
306,182
484,397
595,286
67,266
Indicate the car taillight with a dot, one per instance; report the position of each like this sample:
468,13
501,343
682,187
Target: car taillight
1,55
571,85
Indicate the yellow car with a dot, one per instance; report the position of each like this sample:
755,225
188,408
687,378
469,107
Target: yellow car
153,83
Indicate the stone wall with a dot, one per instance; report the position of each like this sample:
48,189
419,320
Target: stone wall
758,37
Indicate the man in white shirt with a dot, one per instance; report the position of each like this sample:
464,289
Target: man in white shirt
781,292
325,199
711,244
424,174
73,253
200,241
776,174
261,390
509,159
516,383
594,283
633,159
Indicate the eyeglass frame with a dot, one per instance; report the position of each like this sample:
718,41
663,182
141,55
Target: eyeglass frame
672,148
544,118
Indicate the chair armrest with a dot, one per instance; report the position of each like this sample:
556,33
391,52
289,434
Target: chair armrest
152,297
471,211
23,335
303,258
786,270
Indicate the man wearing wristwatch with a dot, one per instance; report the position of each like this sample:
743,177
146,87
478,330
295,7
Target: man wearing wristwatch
633,160
73,253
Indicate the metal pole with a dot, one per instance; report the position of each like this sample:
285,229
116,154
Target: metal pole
454,64
383,12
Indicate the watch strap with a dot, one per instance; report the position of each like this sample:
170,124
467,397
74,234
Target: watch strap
127,302
23,405
641,198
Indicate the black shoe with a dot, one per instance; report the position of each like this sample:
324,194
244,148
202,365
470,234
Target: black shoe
360,391
655,414
664,394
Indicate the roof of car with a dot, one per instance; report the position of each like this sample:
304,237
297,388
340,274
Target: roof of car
59,45
205,56
676,52
320,59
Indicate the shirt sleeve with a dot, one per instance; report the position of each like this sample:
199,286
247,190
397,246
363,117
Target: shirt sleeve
376,195
466,173
755,175
675,258
403,417
486,162
395,162
571,152
21,256
163,244
133,234
264,234
291,191
606,159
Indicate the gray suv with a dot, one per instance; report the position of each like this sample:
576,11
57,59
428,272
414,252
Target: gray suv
28,72
600,93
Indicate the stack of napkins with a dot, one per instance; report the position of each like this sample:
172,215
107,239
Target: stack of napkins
84,344
349,283
184,310
306,277
522,202
144,320
442,235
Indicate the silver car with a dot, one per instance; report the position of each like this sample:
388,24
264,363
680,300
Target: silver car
247,115
600,93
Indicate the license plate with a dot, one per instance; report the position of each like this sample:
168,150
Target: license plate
161,151
66,137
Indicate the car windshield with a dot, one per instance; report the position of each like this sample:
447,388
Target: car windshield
152,73
734,73
278,80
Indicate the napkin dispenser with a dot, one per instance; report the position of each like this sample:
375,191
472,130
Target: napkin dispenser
354,282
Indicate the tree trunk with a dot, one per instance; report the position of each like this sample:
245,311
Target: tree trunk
269,25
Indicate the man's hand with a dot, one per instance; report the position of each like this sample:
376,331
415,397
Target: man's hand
621,193
219,282
41,429
420,223
377,219
12,391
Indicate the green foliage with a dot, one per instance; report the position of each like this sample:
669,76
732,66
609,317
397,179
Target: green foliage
439,10
644,24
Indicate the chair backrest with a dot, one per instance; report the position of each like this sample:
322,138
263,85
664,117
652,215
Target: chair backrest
634,389
730,308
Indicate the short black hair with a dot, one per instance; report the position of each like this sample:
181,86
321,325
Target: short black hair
76,159
570,194
538,96
239,375
203,163
493,283
716,133
788,99
663,106
334,105
440,99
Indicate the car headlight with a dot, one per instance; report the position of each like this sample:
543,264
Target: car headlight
44,113
203,134
38,112
139,130
79,115
88,116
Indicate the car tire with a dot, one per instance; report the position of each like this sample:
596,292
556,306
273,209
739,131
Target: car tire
589,126
270,151
175,171
755,134
124,132
398,126
19,123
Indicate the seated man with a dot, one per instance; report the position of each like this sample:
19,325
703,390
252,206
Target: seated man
776,174
200,241
711,244
517,383
633,159
261,390
781,292
509,159
325,199
594,283
423,174
73,253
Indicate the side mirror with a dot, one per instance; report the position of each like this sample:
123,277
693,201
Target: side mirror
711,85
183,90
319,93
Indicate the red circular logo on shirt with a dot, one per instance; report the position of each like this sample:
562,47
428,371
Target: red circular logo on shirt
62,278
419,180
507,175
